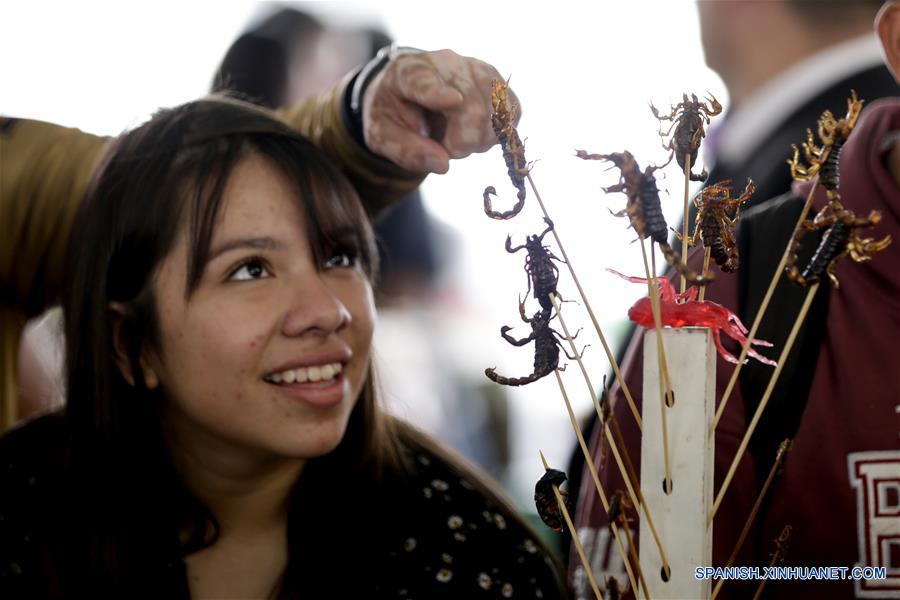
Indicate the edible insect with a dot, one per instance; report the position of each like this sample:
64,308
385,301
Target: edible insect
840,239
643,207
823,159
503,118
545,500
546,348
543,275
689,119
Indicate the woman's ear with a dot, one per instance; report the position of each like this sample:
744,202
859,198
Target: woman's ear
887,26
119,317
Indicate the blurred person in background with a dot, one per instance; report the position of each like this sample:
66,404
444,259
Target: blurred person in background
290,55
783,63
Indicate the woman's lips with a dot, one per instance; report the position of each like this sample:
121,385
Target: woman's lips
323,393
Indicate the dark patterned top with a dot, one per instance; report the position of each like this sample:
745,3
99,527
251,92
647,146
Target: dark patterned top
445,538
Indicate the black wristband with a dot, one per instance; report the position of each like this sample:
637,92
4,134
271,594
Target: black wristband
353,98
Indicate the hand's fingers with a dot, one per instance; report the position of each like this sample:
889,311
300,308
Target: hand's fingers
468,132
418,81
469,128
396,142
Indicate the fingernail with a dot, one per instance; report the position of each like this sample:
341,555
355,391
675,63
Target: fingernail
435,164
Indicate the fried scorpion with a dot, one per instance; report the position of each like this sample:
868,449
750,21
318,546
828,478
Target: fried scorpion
714,227
840,238
543,275
503,118
546,348
689,118
823,160
643,207
617,505
545,500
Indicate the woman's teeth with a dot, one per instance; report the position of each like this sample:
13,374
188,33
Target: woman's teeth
303,374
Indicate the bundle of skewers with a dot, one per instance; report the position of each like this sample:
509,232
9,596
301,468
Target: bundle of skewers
717,213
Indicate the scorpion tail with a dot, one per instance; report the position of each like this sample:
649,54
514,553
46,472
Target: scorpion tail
702,176
513,381
674,259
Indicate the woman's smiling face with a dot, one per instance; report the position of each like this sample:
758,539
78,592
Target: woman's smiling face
269,352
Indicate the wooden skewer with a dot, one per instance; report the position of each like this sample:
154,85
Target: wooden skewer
609,354
762,310
634,492
634,556
765,399
565,513
657,319
779,458
777,556
707,254
686,227
663,380
589,462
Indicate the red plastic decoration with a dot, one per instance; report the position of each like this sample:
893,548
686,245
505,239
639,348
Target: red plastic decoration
681,310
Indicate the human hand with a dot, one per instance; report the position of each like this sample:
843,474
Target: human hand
425,108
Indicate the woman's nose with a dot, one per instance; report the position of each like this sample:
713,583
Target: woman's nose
314,309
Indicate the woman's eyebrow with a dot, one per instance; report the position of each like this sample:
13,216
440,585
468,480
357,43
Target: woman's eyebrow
264,243
343,233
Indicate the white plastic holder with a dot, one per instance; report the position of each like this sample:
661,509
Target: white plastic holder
681,516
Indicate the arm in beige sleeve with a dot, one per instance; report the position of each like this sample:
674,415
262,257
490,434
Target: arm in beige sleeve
44,170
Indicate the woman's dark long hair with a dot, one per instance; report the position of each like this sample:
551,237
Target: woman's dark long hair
130,512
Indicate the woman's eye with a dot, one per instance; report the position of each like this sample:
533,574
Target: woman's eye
341,260
250,269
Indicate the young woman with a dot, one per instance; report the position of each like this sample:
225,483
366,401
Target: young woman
222,437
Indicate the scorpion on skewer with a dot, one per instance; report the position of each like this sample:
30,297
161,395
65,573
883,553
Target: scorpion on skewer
545,500
503,119
823,160
643,207
617,505
543,275
689,118
840,238
714,227
613,591
546,348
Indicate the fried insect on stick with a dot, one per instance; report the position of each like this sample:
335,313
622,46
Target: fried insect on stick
503,118
715,226
546,348
643,207
840,239
831,132
689,118
543,275
617,506
548,508
563,509
823,160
